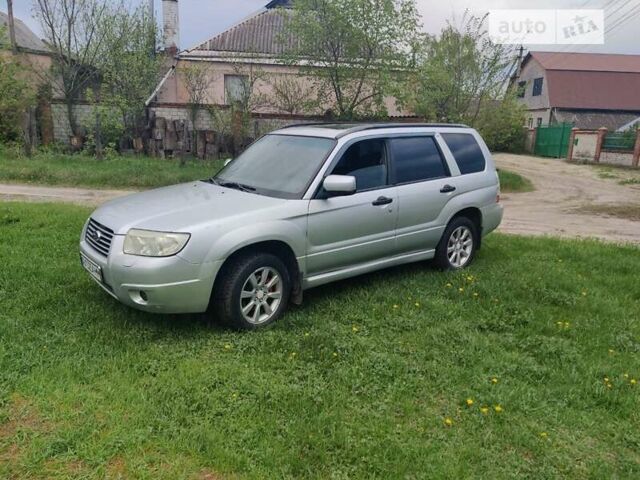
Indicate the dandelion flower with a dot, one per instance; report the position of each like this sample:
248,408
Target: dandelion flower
335,354
626,375
494,380
461,289
497,408
606,379
469,402
448,285
306,334
544,434
475,294
227,346
355,329
633,381
567,324
395,306
611,351
484,410
448,422
417,304
584,294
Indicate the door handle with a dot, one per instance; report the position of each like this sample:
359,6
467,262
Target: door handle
447,188
382,201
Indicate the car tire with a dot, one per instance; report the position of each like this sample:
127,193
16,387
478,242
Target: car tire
253,291
458,244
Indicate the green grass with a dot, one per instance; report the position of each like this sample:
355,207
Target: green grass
511,182
48,168
356,383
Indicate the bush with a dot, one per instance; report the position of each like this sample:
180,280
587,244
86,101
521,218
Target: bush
501,126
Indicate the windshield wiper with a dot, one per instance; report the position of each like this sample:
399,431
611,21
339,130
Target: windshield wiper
237,186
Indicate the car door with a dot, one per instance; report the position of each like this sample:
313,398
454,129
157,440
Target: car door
422,176
348,230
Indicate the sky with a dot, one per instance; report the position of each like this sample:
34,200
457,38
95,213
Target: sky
203,19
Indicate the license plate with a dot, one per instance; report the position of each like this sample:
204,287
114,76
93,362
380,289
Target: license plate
91,267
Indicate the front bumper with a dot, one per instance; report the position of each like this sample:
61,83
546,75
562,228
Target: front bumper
160,285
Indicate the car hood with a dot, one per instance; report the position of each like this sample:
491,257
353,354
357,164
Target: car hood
179,207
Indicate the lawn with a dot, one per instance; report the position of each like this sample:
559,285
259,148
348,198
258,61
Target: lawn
137,173
370,378
511,182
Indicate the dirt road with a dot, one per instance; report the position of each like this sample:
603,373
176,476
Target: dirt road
561,191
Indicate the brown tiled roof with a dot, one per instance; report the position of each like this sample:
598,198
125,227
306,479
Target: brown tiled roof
591,81
598,62
263,33
594,90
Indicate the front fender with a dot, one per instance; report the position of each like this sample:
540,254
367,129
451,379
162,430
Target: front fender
289,232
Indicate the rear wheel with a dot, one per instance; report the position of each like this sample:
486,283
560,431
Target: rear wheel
458,244
253,291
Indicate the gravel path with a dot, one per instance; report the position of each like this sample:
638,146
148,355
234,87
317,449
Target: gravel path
561,189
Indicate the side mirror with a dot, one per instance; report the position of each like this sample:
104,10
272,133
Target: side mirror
228,161
339,184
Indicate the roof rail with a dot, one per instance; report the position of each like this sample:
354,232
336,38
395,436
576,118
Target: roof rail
359,127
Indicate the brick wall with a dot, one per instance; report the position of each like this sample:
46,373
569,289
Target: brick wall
61,127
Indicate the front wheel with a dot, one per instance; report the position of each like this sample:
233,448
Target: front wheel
458,244
253,291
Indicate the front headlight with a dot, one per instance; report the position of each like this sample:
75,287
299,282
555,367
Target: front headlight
154,244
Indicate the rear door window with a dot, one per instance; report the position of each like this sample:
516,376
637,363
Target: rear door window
466,152
416,159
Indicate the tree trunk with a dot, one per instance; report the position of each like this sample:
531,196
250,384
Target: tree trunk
72,118
98,138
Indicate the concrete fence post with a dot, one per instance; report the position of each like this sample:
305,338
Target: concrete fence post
636,149
602,133
572,141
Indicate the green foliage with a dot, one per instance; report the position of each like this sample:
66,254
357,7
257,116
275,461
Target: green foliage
457,73
501,125
355,383
16,95
359,45
130,68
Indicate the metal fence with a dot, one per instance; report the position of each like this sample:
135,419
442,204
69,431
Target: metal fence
619,141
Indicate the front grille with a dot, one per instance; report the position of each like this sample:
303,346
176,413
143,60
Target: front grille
99,237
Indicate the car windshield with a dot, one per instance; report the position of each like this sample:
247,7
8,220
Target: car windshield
277,165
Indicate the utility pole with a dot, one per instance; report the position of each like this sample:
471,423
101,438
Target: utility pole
12,28
152,16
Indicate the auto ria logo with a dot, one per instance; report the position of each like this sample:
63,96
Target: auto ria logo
533,26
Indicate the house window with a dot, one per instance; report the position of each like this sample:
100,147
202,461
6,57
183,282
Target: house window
236,88
522,87
530,122
537,87
539,122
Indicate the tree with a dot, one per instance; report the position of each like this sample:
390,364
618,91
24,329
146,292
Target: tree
16,94
198,79
72,29
352,49
293,94
458,73
130,69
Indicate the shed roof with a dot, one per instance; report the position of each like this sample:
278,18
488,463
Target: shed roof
25,38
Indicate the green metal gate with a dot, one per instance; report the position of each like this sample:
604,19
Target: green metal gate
553,141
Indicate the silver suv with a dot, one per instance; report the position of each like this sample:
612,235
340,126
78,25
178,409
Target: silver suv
303,206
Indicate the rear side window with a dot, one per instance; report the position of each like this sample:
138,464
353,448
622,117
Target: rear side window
466,151
417,158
